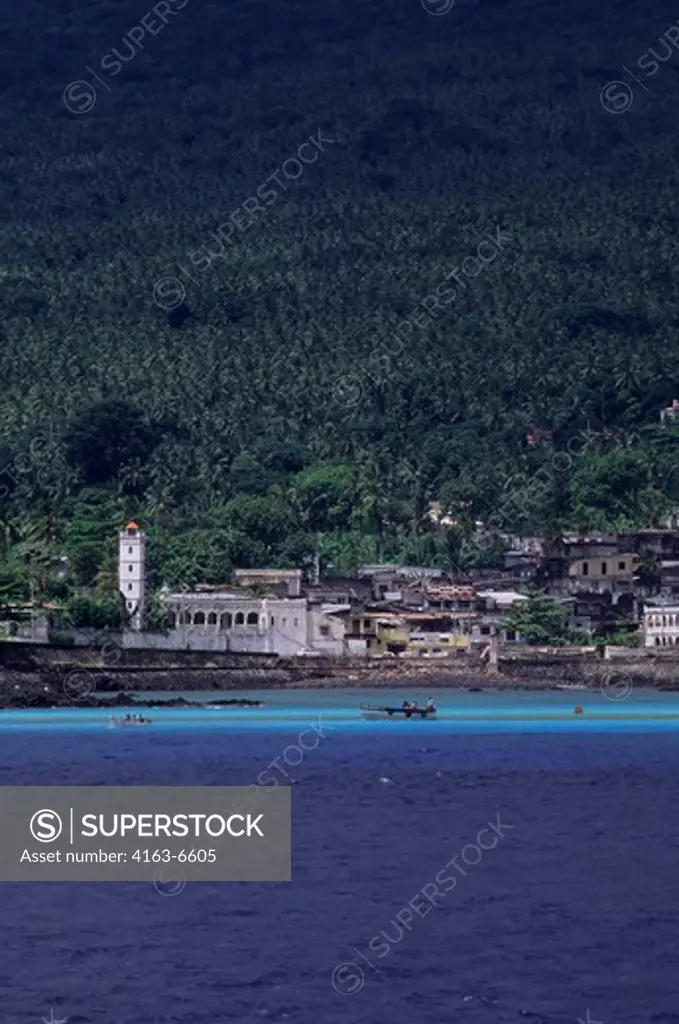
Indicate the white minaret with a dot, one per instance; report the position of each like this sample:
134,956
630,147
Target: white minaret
132,551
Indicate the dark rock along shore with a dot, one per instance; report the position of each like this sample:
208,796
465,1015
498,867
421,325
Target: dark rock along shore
43,695
69,687
35,676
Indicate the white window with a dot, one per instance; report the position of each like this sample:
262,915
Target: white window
296,622
129,586
129,551
131,568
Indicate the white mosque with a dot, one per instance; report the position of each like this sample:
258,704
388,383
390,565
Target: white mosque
218,618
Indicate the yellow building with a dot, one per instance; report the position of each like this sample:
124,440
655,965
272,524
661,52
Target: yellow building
616,566
424,634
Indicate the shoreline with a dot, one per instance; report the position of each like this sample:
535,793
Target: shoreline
33,675
125,689
38,696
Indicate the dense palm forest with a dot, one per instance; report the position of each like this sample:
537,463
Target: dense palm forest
265,380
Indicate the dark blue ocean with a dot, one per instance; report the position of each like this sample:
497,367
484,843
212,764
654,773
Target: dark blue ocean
572,915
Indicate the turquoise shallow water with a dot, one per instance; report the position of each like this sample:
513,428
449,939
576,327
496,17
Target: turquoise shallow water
458,712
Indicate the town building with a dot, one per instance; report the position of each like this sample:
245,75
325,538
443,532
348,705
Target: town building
525,545
664,543
25,621
448,597
522,565
668,583
227,619
671,520
286,582
599,570
538,437
592,558
437,634
670,413
409,633
339,591
221,619
389,582
493,607
661,625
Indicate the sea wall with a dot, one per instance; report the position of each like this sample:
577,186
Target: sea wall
51,669
110,656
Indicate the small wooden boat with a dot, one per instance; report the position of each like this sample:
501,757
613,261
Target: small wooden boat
125,723
374,713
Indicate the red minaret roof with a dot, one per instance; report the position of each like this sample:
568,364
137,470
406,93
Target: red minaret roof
132,525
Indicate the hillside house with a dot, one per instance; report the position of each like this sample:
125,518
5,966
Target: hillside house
661,625
670,414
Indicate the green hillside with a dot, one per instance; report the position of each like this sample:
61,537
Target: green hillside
272,407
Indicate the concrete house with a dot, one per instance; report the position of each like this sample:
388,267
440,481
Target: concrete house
670,414
661,625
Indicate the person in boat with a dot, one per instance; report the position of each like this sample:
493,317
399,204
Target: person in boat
407,706
430,706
